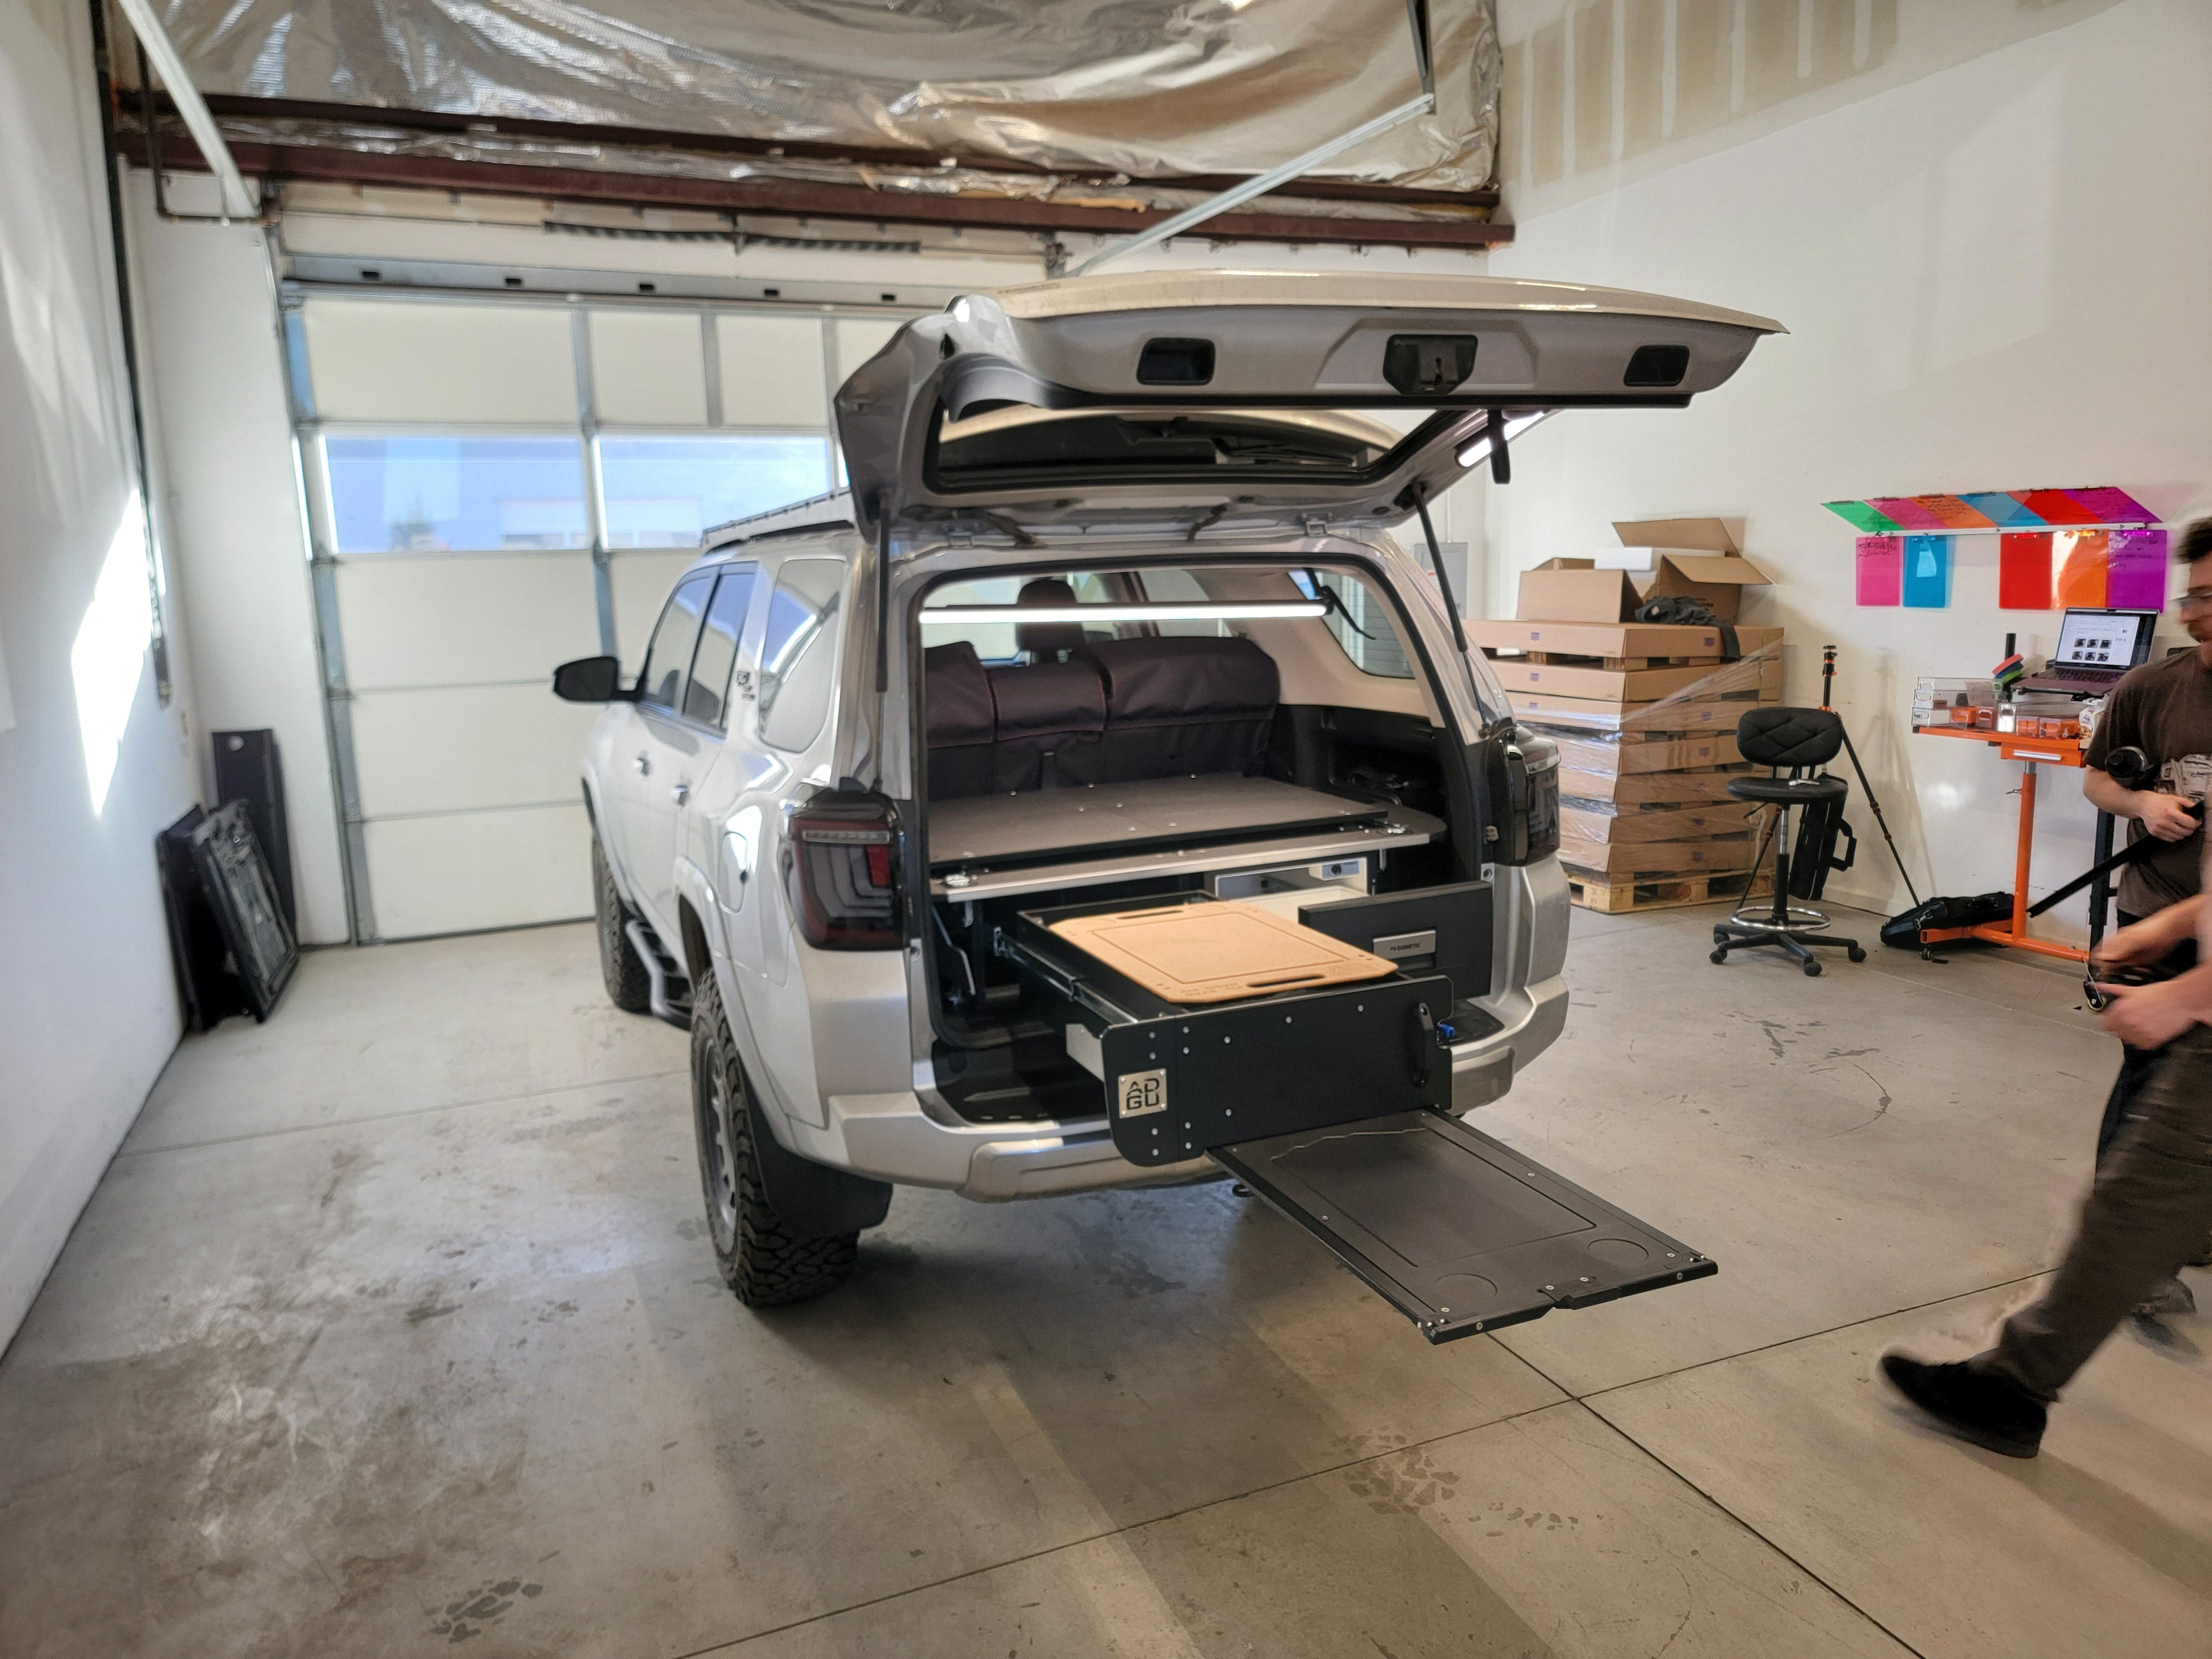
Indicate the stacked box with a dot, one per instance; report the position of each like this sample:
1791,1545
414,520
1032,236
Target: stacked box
1644,716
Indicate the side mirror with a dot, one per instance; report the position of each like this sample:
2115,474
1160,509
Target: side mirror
591,679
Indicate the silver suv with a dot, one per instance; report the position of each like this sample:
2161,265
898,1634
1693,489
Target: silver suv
1095,794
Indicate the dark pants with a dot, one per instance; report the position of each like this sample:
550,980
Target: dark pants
2136,1065
2151,1207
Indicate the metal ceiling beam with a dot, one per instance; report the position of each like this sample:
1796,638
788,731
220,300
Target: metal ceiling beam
239,201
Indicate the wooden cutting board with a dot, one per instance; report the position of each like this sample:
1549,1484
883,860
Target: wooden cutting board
1200,953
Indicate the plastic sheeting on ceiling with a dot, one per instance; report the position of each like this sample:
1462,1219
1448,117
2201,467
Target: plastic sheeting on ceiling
1148,87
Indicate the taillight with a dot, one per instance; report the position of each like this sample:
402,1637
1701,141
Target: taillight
841,867
1524,799
1539,804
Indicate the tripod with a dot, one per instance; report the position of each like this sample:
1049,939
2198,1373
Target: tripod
1827,682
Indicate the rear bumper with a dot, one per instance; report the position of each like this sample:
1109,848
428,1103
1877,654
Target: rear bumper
895,1137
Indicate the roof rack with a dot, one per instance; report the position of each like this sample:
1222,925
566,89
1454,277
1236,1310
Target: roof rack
815,512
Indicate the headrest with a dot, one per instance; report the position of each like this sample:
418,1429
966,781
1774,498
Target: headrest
1046,640
1789,736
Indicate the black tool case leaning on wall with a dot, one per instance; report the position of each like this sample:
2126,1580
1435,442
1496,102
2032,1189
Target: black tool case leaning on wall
1334,1104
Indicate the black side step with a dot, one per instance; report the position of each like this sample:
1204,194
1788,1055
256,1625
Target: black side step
1459,1232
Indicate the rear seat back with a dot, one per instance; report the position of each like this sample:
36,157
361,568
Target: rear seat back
1051,717
960,725
1177,705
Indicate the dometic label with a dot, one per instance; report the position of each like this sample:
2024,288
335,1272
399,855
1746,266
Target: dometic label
1143,1092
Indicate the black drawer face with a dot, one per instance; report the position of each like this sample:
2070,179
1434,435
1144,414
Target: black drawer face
1443,930
1180,1083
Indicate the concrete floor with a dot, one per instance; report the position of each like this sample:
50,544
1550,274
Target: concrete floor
392,1328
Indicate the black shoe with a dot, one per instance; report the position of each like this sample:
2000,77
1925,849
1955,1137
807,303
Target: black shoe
2167,1300
1985,1410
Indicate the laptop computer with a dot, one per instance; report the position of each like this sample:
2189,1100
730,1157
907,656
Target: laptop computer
2095,649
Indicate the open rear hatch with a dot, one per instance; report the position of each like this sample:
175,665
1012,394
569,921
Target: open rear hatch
1114,398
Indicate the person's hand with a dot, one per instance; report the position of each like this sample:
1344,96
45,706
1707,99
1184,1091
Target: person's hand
2148,1015
2167,816
2135,945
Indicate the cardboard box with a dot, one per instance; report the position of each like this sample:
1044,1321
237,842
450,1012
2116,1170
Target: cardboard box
1717,579
1624,685
1694,558
1620,861
1593,824
1635,791
1611,639
1693,535
1636,755
1576,590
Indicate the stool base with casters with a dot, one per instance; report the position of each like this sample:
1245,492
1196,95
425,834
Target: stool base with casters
1794,740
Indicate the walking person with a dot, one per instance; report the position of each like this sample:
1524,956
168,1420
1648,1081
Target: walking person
2164,710
2150,1207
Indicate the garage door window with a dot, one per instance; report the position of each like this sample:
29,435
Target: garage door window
664,492
798,654
435,494
707,698
670,654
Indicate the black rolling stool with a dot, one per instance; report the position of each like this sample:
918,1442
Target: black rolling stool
1794,741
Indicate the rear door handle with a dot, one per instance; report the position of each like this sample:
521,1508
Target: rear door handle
644,766
681,791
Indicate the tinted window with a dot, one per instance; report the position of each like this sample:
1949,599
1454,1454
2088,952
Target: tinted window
798,654
707,695
670,653
1360,620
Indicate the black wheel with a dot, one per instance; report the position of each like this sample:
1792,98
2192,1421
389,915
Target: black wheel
629,988
1720,936
1811,971
1856,954
764,1265
1720,955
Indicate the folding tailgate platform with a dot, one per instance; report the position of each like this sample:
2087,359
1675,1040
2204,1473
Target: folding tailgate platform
1332,1101
1457,1231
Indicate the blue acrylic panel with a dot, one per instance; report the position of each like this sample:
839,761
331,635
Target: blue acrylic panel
1928,572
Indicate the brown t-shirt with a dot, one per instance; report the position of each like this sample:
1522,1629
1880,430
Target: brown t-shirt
2164,710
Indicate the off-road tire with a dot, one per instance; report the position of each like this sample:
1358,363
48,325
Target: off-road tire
629,988
762,1262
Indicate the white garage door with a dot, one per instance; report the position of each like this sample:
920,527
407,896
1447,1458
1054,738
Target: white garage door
495,488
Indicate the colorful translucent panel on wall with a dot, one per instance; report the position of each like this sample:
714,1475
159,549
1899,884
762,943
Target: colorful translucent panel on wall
2095,569
1927,572
1881,570
2023,509
2134,570
2024,571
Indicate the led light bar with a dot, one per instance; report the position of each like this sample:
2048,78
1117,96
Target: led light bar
1513,427
1167,610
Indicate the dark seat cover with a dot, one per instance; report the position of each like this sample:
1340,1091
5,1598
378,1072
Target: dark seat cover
1177,705
958,720
1789,736
1050,719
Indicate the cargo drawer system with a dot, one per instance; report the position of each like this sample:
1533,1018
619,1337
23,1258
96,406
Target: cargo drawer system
1331,1096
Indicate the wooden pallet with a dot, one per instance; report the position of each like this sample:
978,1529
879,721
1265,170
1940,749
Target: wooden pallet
1666,893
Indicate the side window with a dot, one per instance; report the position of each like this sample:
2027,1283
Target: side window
669,653
706,699
1361,621
798,653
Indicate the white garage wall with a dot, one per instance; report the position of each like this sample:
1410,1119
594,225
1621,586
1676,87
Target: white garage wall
1994,276
214,373
91,766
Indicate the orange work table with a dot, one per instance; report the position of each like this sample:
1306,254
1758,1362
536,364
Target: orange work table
2030,752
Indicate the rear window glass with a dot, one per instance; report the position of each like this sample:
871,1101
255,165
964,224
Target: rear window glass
798,651
1360,621
995,642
